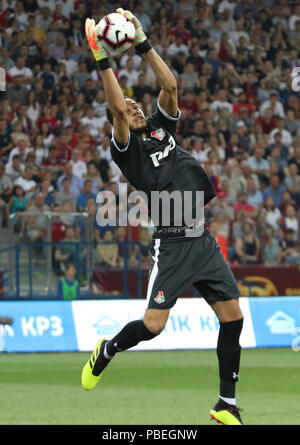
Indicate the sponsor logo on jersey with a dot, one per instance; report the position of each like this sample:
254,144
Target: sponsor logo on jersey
160,298
158,134
158,155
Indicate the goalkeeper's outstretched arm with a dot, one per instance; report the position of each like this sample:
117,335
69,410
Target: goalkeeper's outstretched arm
117,105
168,98
113,92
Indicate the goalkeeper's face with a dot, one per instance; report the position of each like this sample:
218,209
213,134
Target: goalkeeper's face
136,118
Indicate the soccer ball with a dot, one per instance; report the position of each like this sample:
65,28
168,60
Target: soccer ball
117,33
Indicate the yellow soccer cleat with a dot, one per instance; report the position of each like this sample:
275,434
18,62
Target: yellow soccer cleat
226,414
94,367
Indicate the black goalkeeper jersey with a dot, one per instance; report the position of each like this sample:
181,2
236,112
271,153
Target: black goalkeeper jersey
158,162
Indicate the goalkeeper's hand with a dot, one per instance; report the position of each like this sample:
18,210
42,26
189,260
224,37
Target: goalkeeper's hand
92,32
140,36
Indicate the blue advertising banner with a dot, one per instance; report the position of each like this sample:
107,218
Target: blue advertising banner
49,326
39,326
276,321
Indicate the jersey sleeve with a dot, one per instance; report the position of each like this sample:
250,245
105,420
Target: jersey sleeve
120,153
166,121
115,145
126,157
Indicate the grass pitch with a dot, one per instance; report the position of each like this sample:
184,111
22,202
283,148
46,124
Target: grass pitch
149,388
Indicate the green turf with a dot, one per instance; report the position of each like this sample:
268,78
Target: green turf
151,388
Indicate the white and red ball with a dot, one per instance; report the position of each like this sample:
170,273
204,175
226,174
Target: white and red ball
117,33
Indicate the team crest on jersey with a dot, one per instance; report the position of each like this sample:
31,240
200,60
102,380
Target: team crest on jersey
160,298
158,134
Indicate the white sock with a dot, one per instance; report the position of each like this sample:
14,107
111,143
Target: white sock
228,400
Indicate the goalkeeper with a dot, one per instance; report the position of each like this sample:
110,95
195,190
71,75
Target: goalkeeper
150,157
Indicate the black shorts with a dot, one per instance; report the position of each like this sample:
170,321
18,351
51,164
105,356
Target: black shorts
179,263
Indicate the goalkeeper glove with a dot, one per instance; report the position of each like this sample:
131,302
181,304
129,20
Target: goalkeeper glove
92,32
141,42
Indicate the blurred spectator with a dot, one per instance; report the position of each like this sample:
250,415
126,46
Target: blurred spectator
142,16
294,18
36,219
274,104
189,104
141,88
283,149
58,227
17,205
271,248
255,196
67,250
79,167
296,158
267,121
178,46
92,121
290,248
21,71
290,221
65,194
130,73
243,205
104,149
16,91
44,19
15,168
86,194
279,161
26,181
5,140
68,286
275,190
108,251
292,179
221,240
47,189
222,102
93,176
258,164
247,246
282,129
272,212
76,182
48,77
6,189
141,250
190,76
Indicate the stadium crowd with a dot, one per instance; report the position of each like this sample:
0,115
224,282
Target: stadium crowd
240,107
